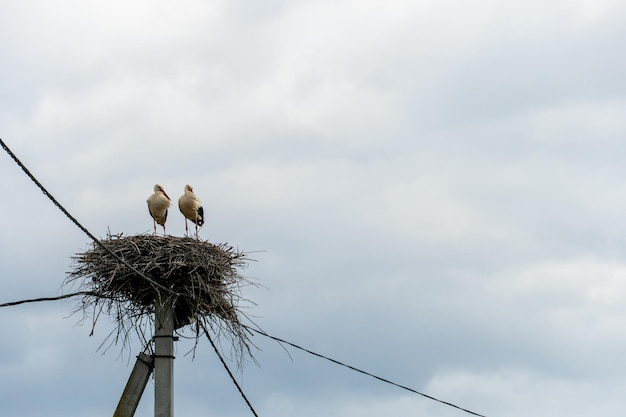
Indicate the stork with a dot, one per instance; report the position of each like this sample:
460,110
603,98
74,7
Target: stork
158,203
191,207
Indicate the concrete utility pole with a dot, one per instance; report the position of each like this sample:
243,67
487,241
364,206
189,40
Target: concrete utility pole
164,360
135,386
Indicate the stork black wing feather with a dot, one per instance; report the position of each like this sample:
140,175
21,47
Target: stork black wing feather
200,216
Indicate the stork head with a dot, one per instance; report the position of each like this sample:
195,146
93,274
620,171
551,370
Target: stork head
189,188
159,187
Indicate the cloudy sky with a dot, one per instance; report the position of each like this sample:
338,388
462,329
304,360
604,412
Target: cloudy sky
435,190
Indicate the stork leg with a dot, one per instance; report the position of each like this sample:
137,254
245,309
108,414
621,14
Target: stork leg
154,224
197,238
186,228
164,235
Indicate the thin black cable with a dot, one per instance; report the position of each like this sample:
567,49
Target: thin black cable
73,219
156,284
232,377
361,371
36,300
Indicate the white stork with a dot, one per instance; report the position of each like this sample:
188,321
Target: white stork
191,207
158,203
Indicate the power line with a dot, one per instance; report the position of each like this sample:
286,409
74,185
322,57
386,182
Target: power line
76,222
156,284
36,300
13,303
362,372
228,370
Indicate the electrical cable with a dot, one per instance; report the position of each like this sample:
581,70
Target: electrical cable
80,226
13,303
361,371
35,300
156,284
228,370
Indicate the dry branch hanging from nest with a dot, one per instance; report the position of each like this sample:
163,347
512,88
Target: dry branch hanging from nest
200,278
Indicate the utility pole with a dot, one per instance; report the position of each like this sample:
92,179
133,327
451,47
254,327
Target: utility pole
164,359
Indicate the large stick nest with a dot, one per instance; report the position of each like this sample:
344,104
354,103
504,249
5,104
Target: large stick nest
201,279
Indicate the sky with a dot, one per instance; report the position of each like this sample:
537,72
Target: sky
431,191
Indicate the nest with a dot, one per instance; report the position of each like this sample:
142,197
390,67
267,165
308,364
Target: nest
199,278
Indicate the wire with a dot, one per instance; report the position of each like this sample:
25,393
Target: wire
156,284
36,300
228,370
362,372
80,226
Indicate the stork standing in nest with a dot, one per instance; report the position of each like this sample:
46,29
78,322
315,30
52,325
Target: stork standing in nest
158,203
191,207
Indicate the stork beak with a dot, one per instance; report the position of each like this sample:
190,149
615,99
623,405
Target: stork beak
165,194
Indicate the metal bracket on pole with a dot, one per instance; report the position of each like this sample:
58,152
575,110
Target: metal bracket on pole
135,386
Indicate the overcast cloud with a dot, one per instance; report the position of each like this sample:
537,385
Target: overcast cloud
436,189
